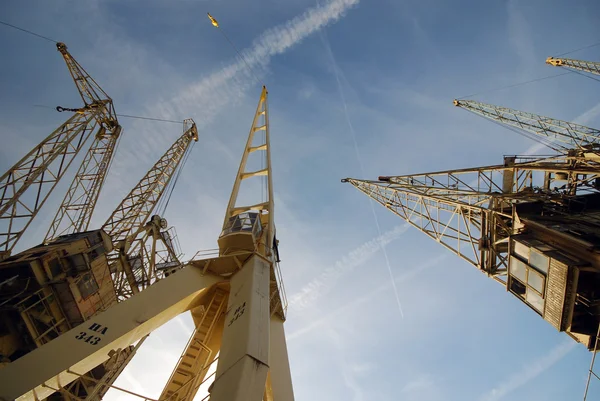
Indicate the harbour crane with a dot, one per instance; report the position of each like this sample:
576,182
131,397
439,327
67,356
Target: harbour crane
593,67
248,254
236,298
26,186
531,223
75,212
561,136
48,289
132,224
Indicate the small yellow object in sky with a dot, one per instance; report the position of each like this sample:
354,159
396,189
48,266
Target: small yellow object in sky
214,21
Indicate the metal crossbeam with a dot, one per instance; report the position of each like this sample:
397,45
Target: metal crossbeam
593,67
471,211
128,220
259,123
556,134
75,211
25,187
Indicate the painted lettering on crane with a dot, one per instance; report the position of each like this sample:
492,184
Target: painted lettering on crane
238,313
91,338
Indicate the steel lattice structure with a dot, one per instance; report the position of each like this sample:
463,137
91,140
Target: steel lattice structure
470,211
236,299
129,219
593,67
562,136
531,223
75,211
25,187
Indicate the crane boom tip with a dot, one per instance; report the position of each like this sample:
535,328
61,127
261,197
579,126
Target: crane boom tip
213,20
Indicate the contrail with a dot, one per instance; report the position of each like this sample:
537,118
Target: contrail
310,292
230,83
351,306
529,372
336,72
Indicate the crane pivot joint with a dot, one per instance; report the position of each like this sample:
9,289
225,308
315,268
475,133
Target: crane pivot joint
554,61
61,47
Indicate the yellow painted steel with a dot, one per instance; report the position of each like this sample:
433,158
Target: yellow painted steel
90,343
237,302
213,21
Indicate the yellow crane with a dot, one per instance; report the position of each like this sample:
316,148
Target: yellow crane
561,136
236,299
26,186
593,67
530,223
67,281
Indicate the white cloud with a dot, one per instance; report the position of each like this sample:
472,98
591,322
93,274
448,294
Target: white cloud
346,365
230,83
588,116
338,73
520,36
418,384
375,292
529,372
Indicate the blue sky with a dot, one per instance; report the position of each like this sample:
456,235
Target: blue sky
356,89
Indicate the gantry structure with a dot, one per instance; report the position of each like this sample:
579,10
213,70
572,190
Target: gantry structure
593,67
26,186
236,297
47,290
530,223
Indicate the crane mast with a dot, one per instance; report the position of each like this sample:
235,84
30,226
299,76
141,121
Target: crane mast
66,281
470,211
593,67
75,212
562,136
129,224
236,299
25,187
530,223
131,218
252,306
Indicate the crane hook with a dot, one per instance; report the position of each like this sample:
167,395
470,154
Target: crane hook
61,109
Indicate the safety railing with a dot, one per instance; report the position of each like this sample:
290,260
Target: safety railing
280,287
243,222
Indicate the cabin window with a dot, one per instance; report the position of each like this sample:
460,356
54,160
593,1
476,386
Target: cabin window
55,267
539,261
518,288
87,285
77,262
536,301
527,283
535,280
518,269
96,252
521,249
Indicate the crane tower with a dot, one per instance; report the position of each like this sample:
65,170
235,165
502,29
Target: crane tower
530,223
50,288
593,67
26,186
71,276
236,299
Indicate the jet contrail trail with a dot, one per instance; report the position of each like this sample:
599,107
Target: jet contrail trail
336,72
